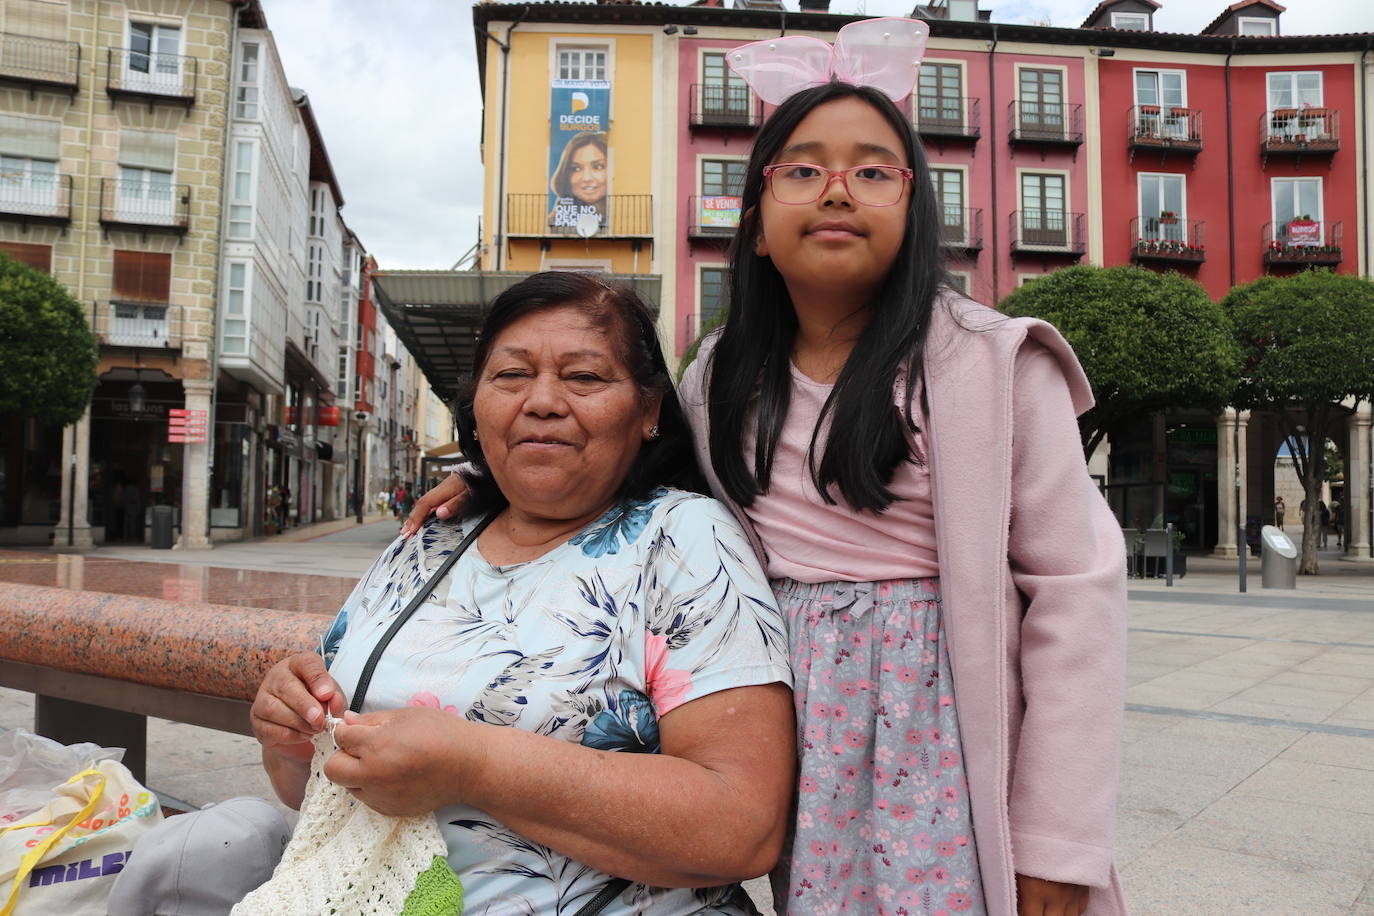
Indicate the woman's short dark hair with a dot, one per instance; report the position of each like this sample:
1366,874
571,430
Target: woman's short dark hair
668,461
560,184
750,379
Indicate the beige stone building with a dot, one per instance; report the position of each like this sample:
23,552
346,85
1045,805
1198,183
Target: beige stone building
112,137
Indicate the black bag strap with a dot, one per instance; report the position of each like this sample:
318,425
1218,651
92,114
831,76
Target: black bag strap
602,899
365,678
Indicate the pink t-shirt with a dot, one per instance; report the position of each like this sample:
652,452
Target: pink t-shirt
811,541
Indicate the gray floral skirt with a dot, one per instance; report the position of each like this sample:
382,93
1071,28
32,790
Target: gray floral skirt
882,823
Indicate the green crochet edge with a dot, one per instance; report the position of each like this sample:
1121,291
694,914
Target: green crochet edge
438,892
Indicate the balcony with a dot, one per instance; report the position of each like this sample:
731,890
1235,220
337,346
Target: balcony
45,199
1045,124
724,107
1299,132
1302,243
1164,130
145,206
619,216
961,230
151,76
947,118
138,324
1047,232
1167,239
40,62
712,217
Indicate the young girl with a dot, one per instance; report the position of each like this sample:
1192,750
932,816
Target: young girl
952,580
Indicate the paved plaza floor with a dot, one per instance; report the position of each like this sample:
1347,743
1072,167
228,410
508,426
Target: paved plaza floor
1248,766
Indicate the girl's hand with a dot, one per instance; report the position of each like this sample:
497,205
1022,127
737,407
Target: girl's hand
444,500
291,703
1038,897
404,762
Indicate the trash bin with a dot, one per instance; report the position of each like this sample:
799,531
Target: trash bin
161,536
1278,559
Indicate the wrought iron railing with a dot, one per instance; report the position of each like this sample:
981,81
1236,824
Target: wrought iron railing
36,197
40,61
1165,126
615,216
718,105
151,74
1045,122
1167,238
948,117
962,228
138,324
1302,241
1047,231
145,205
1299,130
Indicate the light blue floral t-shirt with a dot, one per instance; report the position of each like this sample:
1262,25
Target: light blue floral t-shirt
651,606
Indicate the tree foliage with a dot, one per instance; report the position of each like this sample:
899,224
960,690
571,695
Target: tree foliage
1147,341
1308,347
48,355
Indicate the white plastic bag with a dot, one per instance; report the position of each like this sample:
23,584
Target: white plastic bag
30,765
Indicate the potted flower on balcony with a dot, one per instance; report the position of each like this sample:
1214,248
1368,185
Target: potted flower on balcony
1168,216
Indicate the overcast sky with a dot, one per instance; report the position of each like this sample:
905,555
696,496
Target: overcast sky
397,100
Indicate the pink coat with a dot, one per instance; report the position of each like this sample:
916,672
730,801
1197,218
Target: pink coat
1032,573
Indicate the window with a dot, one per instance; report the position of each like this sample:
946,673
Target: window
248,82
235,336
958,281
28,185
582,63
712,296
939,96
723,91
153,61
145,196
1163,207
949,196
1295,90
1257,26
39,257
241,200
1041,102
1161,97
1297,200
1043,217
1137,22
722,177
144,276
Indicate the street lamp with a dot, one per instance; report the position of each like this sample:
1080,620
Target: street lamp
137,398
361,418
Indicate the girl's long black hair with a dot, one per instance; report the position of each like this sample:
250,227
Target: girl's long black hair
749,366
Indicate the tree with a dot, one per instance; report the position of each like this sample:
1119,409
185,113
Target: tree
48,355
1147,341
1308,343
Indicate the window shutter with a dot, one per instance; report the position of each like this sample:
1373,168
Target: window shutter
38,257
146,149
36,19
30,138
144,276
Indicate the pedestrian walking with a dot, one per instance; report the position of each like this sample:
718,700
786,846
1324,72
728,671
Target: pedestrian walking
1337,525
923,677
1279,509
1323,522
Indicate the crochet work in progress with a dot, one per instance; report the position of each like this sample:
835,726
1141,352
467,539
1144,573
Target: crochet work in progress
345,858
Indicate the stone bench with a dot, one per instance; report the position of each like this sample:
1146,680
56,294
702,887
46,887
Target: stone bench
100,664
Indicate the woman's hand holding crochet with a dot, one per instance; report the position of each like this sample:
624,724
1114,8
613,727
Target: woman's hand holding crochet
405,762
291,704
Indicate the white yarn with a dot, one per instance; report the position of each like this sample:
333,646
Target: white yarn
345,858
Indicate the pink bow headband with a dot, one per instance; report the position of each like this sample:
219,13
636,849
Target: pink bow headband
882,53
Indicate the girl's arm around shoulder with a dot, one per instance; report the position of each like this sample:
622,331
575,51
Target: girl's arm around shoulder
1067,560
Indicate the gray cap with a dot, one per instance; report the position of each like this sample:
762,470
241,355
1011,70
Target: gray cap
203,862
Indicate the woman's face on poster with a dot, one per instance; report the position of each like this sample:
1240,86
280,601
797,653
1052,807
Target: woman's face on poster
587,173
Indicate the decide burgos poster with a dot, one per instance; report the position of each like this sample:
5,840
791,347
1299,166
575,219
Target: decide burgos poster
579,152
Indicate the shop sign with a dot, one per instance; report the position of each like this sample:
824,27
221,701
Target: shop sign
187,426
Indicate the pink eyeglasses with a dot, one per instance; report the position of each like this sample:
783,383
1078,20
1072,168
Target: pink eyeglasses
796,183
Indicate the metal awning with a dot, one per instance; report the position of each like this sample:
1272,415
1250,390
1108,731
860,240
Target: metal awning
436,313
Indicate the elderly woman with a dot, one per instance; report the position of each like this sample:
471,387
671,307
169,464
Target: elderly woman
600,686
